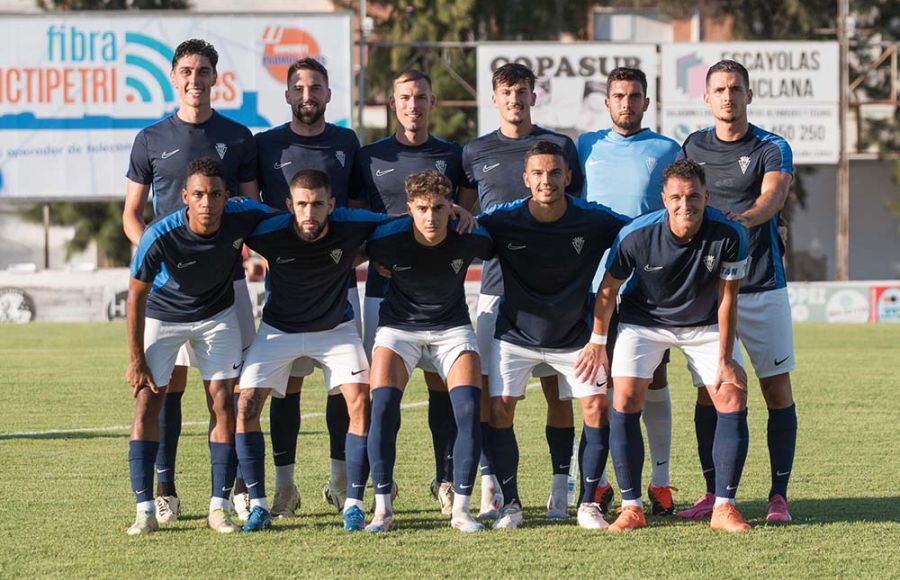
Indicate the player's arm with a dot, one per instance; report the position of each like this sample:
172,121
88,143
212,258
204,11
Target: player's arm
773,195
593,357
729,370
466,197
250,189
138,373
466,222
133,215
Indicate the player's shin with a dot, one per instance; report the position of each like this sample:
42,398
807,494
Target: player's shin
729,453
284,421
466,400
382,444
592,460
627,447
169,433
141,455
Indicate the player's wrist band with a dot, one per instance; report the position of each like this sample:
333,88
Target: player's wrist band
598,339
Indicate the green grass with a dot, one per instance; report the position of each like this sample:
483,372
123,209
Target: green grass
65,499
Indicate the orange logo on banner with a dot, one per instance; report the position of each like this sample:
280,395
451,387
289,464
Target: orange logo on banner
283,47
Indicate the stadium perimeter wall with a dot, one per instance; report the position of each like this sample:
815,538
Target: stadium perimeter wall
65,296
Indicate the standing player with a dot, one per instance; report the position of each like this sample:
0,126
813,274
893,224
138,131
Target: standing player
424,317
494,163
181,291
684,263
383,168
749,172
549,246
623,170
306,142
159,159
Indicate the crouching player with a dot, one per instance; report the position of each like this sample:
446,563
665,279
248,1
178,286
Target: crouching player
181,291
685,263
549,246
424,317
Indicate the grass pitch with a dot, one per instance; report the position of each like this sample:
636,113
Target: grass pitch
65,499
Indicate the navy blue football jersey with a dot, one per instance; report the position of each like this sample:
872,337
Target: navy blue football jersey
427,285
495,165
192,274
673,283
734,175
308,280
547,270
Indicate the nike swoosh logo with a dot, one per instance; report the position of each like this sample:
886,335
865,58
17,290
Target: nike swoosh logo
589,480
167,154
649,268
158,470
397,268
661,462
280,260
515,247
277,453
226,489
236,366
701,163
381,172
461,486
626,490
782,473
186,264
592,162
709,470
508,479
487,167
564,467
280,165
140,492
358,485
778,362
254,484
383,485
731,487
354,373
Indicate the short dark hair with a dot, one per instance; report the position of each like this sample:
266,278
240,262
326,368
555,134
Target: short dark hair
307,63
545,148
311,179
512,73
624,73
206,166
428,182
409,75
686,169
729,66
196,46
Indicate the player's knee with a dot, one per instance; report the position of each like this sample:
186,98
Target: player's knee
731,399
501,413
248,408
593,409
147,405
777,391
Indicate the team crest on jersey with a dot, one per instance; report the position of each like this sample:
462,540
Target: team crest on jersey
651,164
237,243
578,244
744,162
341,157
221,148
457,265
336,255
709,262
440,165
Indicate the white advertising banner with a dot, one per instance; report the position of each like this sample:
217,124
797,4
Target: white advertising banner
76,89
795,92
571,81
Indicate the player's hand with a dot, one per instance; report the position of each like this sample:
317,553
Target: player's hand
739,218
382,270
592,364
138,375
466,222
732,373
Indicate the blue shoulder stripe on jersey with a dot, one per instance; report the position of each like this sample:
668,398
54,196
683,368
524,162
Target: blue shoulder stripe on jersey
593,206
508,206
157,230
643,221
775,251
272,224
160,279
346,214
717,216
787,156
395,226
245,204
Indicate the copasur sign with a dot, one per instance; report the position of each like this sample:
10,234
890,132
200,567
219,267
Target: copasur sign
75,90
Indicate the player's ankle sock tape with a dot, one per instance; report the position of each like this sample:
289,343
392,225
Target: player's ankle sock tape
284,422
382,444
169,432
730,451
141,455
705,419
357,465
782,440
466,400
251,453
560,441
337,419
443,432
592,461
627,445
223,458
505,451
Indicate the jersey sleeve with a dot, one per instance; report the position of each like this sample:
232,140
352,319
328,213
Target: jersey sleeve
140,169
148,258
467,154
620,263
483,243
576,186
248,170
735,260
778,156
358,189
464,179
